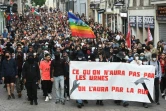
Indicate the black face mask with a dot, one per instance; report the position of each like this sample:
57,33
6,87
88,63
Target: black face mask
115,51
57,56
139,51
7,57
19,56
31,60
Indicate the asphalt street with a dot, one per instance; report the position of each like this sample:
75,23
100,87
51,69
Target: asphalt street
21,104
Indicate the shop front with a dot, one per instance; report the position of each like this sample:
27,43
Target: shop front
112,22
161,19
140,20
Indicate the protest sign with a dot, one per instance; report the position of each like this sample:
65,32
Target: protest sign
117,81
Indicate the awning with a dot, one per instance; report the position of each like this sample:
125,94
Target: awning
109,11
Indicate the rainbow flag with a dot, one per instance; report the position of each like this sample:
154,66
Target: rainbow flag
79,28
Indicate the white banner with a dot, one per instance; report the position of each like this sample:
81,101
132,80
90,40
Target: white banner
118,81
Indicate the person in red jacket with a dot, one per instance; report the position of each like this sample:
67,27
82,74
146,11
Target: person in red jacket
163,79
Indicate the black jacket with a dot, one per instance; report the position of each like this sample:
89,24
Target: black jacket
31,72
9,68
58,68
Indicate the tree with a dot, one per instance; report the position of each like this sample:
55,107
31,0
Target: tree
39,2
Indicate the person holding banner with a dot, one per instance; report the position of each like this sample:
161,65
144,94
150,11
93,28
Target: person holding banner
101,59
139,62
80,57
120,57
58,71
67,60
158,74
136,60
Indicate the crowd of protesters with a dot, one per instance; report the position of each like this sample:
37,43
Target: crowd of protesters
37,49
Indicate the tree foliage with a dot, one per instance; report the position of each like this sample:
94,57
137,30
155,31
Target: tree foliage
39,2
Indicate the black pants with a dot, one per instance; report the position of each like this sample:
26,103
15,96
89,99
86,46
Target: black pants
156,88
47,87
19,72
67,86
163,84
19,82
31,90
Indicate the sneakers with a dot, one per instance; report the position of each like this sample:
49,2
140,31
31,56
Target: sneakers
31,102
145,105
125,104
13,96
63,102
19,95
5,86
79,105
38,87
56,102
163,95
67,98
157,103
117,102
35,101
9,97
97,102
101,103
47,98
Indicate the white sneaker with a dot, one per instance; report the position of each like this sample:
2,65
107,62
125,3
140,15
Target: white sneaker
67,98
163,94
47,98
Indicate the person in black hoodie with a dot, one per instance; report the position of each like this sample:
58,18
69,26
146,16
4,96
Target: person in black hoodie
58,72
19,60
8,47
80,57
67,60
9,73
31,76
120,57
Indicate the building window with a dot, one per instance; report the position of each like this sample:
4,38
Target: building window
146,2
141,2
134,3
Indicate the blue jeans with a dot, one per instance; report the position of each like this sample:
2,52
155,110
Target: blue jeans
59,91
